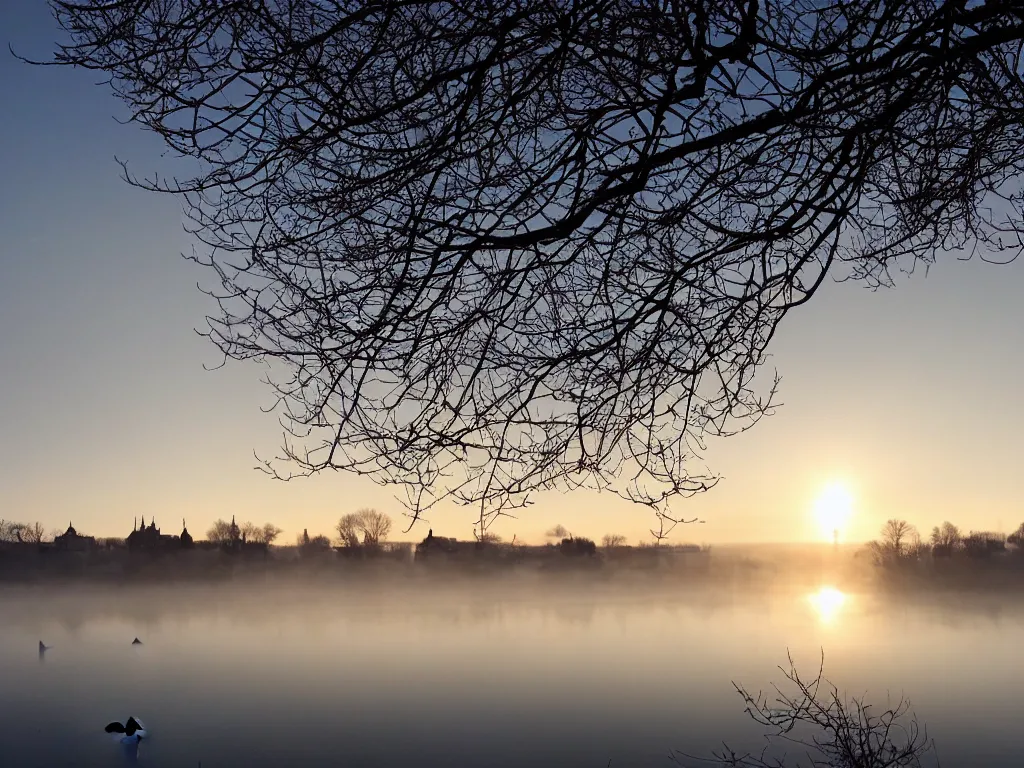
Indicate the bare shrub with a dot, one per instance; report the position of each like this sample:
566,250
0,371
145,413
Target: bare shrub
830,729
613,540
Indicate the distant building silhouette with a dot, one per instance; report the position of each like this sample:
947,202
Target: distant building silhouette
236,543
442,546
72,541
235,539
150,539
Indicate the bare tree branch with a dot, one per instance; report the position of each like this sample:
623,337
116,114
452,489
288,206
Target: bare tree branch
492,249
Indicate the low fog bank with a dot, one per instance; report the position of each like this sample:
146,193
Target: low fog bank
266,607
674,567
746,570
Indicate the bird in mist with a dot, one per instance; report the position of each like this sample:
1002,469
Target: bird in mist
132,730
43,648
136,641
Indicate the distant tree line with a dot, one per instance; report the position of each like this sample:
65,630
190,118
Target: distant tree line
12,532
900,541
364,531
223,532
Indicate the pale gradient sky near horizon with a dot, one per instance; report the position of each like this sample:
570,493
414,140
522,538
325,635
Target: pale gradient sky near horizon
910,397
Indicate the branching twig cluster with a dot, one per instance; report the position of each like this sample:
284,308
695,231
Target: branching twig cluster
495,248
826,730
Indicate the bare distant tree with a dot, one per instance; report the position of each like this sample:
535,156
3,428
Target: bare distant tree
369,524
221,532
249,531
21,533
947,536
899,541
547,245
348,530
8,531
33,533
899,536
817,722
375,526
611,540
1017,537
265,534
557,533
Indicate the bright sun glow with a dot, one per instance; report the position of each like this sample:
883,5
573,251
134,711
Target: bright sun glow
832,511
827,603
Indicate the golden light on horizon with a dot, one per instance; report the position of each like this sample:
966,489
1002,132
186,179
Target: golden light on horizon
832,510
827,602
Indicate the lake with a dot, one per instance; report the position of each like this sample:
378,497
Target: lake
487,675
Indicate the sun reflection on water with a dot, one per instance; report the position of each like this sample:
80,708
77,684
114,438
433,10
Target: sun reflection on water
827,603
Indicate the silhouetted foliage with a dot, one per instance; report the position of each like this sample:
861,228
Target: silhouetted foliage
260,534
348,531
12,532
1017,537
578,545
223,532
829,729
547,245
612,540
313,542
900,541
366,528
310,545
984,543
946,539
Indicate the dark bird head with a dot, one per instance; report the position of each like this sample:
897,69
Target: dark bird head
114,728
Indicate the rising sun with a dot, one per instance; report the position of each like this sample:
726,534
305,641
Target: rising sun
832,510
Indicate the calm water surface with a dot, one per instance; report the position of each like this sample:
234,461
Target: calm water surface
494,677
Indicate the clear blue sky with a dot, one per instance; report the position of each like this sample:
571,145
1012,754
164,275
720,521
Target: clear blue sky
911,397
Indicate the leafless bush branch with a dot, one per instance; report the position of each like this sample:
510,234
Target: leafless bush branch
828,729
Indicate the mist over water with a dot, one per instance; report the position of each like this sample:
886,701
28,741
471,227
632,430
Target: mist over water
495,674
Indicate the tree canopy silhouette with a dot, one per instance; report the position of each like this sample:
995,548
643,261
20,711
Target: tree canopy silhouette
492,249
